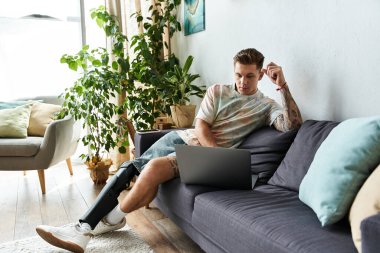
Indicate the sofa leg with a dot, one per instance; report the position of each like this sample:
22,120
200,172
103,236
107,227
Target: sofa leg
24,173
41,176
68,162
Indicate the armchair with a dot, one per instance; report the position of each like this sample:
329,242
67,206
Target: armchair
39,153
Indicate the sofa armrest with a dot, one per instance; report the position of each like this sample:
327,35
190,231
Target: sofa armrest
143,140
60,141
370,230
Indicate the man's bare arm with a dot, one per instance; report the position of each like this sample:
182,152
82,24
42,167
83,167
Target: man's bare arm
291,117
204,134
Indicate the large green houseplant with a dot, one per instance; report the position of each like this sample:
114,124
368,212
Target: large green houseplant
90,99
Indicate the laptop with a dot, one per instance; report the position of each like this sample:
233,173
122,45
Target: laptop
220,167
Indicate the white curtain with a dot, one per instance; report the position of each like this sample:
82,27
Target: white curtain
118,9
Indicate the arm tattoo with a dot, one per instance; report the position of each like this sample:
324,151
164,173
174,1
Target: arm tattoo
291,117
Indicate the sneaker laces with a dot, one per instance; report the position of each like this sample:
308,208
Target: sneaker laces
77,227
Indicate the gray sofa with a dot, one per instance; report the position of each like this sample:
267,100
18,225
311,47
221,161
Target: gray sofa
270,218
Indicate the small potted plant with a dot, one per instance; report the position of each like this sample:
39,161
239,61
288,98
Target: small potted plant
179,88
90,99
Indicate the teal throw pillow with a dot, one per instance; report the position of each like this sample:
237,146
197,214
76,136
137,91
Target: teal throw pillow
12,104
14,122
340,166
15,103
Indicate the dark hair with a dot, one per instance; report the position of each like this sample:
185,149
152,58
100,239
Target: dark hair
249,56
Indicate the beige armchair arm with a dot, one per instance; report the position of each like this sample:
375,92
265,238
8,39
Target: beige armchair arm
60,142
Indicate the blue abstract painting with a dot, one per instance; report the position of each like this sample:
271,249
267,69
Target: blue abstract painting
194,16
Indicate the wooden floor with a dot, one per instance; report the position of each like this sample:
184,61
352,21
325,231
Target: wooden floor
23,207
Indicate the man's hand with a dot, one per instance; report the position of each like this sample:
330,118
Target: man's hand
275,74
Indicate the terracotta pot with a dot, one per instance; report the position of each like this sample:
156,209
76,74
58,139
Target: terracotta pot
183,115
99,172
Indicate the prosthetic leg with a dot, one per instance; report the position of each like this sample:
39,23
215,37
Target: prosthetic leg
107,199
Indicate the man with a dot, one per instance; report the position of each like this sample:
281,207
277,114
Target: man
227,114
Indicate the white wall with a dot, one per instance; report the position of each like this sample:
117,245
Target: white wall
329,50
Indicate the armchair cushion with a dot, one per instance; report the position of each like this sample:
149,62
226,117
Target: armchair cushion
14,122
41,116
15,147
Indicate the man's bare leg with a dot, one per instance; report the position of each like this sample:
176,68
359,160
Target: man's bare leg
157,171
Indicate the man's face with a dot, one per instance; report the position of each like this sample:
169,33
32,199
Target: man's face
246,78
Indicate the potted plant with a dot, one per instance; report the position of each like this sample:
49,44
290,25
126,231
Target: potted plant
179,88
149,66
90,99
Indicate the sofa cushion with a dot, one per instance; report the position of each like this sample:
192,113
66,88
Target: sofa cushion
341,165
180,197
301,153
268,148
267,219
14,122
20,147
40,117
370,228
366,204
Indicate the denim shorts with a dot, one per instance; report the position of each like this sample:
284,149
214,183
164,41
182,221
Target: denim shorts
161,148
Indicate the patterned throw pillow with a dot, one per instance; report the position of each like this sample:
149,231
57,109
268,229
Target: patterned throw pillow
14,122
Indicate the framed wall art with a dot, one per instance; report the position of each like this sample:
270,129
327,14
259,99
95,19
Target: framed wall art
194,18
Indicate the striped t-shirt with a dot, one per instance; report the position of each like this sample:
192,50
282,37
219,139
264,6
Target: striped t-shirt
232,116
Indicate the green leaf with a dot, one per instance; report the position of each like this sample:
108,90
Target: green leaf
73,65
188,63
96,63
115,66
93,14
122,150
99,22
105,59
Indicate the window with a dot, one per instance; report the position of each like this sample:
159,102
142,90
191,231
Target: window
33,37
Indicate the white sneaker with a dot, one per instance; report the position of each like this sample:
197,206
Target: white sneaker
104,227
68,237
